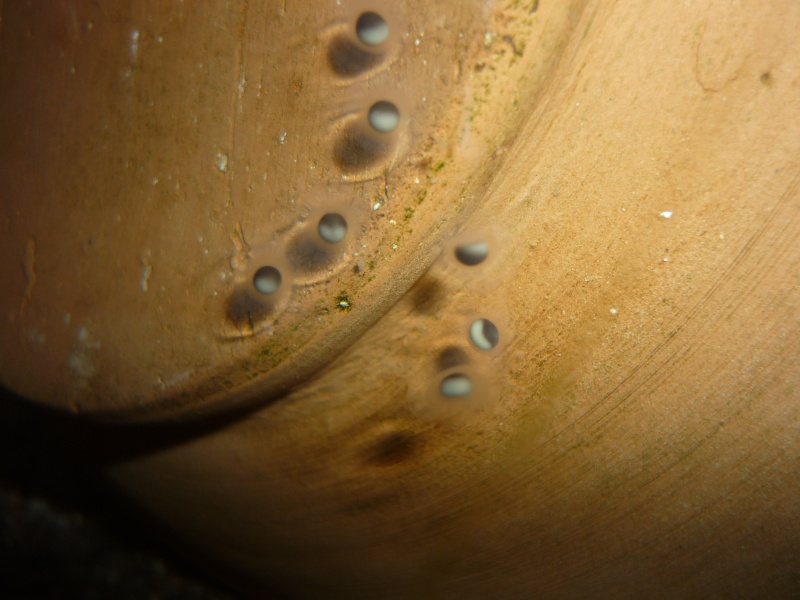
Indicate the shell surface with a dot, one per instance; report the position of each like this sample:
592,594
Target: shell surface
614,187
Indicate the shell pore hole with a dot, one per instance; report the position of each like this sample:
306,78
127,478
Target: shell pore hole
267,280
472,254
372,29
484,334
332,228
457,385
384,116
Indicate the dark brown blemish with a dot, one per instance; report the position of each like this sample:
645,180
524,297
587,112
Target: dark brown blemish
346,59
355,149
450,357
428,296
392,449
242,310
307,258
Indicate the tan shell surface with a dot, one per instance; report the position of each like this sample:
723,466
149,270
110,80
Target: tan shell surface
636,167
153,152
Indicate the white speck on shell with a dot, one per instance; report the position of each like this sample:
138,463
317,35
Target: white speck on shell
148,269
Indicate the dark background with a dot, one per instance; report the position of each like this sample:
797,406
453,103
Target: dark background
66,533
